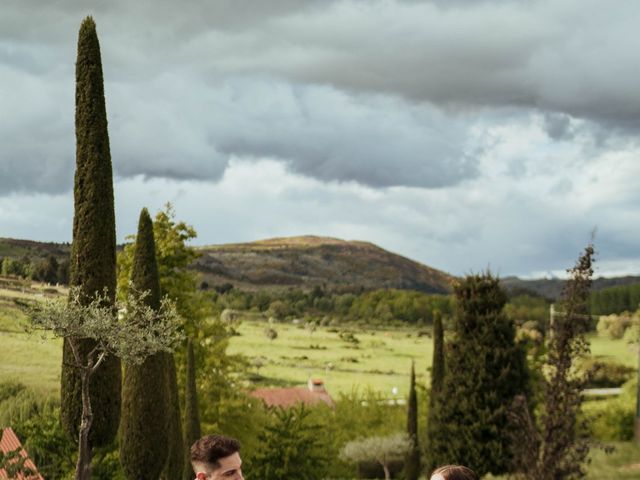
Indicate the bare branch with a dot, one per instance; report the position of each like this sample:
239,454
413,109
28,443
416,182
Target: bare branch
101,358
74,349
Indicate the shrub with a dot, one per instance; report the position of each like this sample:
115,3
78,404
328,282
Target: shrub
10,388
271,333
46,442
615,326
612,419
604,374
348,337
292,447
21,403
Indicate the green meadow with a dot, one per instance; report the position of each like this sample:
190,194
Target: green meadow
345,358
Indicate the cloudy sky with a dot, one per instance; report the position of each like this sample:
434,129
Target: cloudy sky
464,134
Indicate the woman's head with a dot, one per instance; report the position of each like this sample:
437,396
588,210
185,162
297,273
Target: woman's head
453,472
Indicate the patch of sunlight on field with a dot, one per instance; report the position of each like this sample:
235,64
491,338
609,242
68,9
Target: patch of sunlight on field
11,319
380,361
30,360
613,350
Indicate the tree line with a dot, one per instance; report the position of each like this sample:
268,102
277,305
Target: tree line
47,269
618,299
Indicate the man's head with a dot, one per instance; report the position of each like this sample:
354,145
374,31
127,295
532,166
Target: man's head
453,472
216,457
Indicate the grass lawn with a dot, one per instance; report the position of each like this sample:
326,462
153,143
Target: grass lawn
623,463
27,358
30,360
612,350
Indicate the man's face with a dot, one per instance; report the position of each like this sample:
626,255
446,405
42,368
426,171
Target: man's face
229,469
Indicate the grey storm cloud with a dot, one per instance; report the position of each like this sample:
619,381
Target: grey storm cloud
380,92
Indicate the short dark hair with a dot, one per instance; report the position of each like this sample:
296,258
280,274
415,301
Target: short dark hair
211,448
456,472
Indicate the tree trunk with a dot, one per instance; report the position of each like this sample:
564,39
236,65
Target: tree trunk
83,467
387,474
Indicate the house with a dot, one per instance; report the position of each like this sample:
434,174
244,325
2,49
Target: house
9,443
289,397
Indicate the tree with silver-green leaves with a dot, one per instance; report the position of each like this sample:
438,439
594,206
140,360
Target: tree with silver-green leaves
383,450
143,426
129,330
93,251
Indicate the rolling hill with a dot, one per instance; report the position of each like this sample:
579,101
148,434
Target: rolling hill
308,261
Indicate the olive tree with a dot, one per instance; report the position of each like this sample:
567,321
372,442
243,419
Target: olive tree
130,331
383,450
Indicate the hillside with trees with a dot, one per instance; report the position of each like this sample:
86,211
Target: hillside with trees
310,261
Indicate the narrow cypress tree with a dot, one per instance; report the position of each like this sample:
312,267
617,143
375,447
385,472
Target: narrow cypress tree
438,364
485,372
437,379
174,465
412,462
143,439
191,410
93,252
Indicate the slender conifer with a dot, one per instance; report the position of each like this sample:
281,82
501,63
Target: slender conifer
191,410
174,466
437,379
143,438
93,252
412,462
437,365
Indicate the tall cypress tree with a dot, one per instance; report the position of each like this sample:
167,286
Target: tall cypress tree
412,462
437,379
174,466
437,365
93,252
143,439
191,410
486,369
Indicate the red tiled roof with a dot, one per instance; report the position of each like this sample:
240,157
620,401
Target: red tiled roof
288,397
8,443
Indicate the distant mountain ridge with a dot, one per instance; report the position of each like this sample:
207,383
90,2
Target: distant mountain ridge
307,261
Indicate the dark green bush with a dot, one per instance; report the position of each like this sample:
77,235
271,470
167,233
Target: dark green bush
606,374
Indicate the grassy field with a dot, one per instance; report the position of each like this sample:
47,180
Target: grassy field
614,351
380,360
27,358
